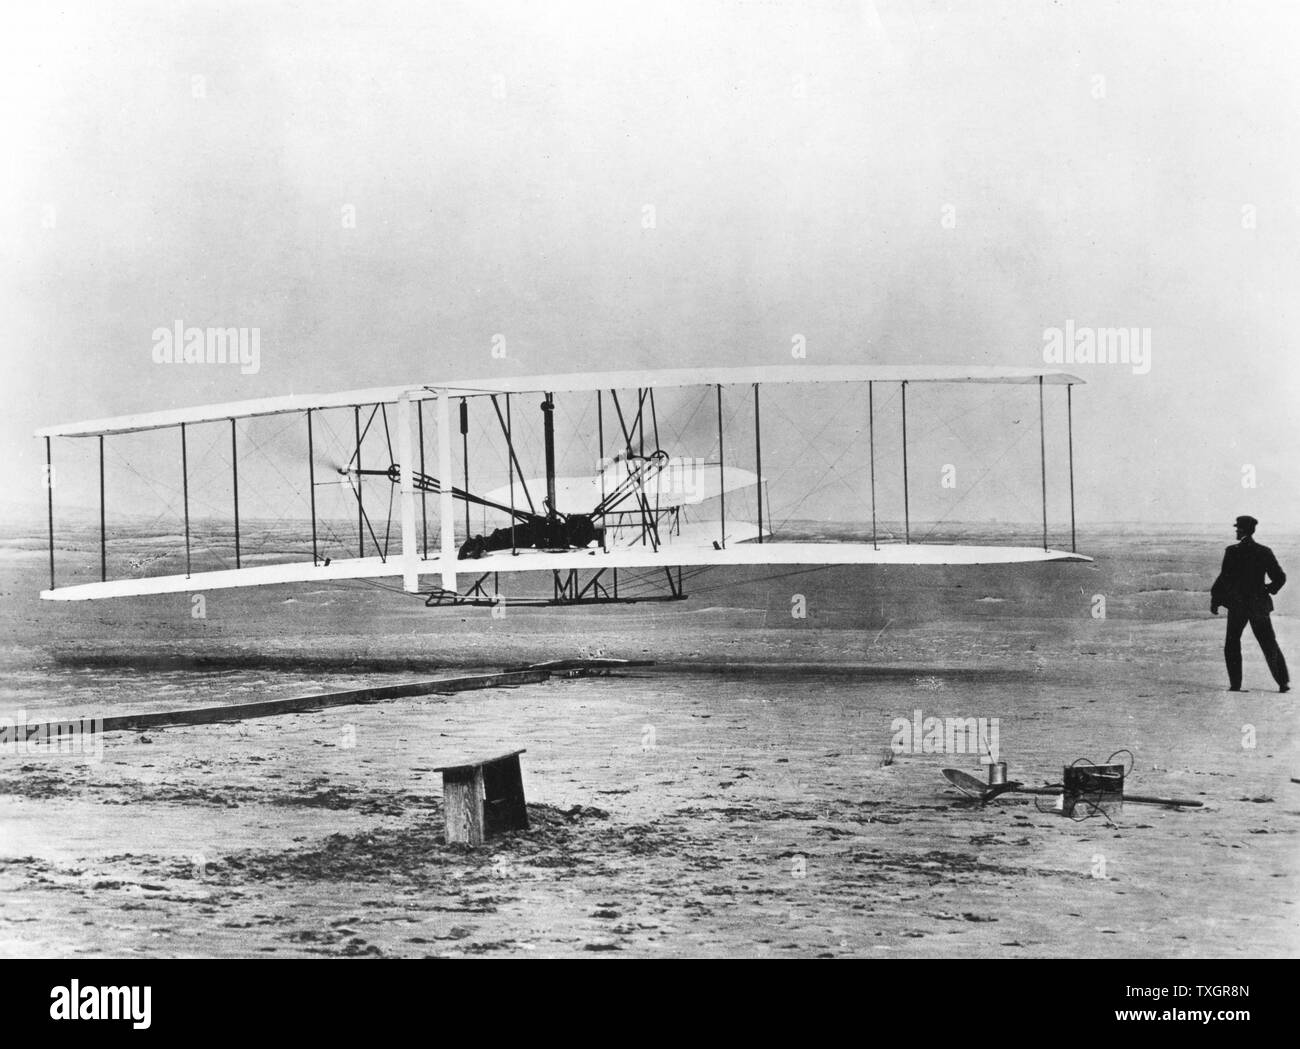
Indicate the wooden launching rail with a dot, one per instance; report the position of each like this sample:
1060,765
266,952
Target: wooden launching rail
231,712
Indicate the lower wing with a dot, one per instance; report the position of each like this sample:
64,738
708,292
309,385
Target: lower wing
683,554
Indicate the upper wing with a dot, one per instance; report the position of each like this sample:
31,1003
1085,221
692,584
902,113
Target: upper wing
571,383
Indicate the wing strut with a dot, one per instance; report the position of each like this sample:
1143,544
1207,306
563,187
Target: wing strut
1069,424
103,534
464,444
361,513
311,480
758,463
424,505
548,441
600,429
871,432
507,426
446,506
234,468
185,493
410,552
49,496
722,481
907,520
1042,456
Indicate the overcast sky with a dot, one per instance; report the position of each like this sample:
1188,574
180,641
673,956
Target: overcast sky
383,188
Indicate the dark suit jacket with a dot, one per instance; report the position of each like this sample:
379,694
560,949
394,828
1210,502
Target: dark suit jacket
1241,584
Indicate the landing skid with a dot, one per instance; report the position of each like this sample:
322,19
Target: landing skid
600,587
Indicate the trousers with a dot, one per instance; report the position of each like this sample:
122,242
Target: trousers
1262,627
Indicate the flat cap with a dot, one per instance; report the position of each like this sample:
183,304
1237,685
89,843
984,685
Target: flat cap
1246,521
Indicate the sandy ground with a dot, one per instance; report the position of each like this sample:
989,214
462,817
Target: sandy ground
739,798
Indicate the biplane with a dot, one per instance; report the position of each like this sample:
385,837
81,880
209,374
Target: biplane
645,512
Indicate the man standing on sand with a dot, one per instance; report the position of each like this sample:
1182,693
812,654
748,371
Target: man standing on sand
1242,590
